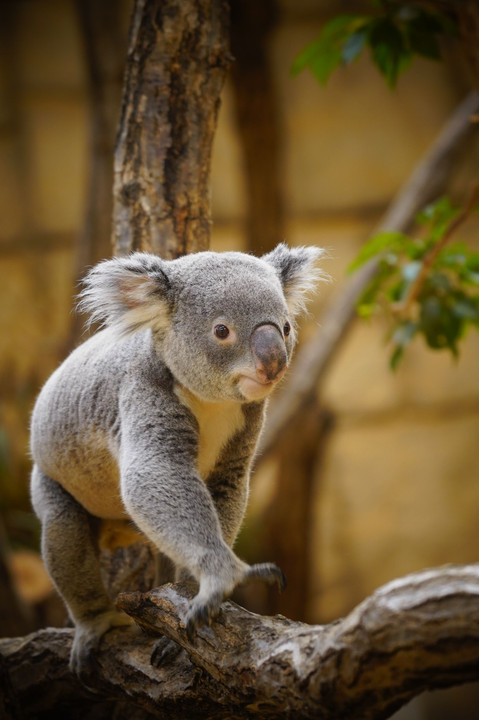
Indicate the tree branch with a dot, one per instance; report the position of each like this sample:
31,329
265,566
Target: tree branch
313,359
417,633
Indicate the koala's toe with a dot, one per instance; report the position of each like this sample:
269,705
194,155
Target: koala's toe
268,572
82,661
202,612
164,652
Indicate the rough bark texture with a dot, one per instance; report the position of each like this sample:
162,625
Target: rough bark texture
176,65
416,633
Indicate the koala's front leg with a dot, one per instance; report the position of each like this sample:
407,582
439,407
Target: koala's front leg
228,482
169,502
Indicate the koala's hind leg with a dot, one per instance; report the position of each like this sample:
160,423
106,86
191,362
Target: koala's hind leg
69,549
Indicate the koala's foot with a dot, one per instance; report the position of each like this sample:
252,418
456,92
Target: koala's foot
164,652
205,606
87,638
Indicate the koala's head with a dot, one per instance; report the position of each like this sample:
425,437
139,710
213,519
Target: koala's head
224,323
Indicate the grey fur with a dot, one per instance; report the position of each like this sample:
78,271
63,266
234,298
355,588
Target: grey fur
155,419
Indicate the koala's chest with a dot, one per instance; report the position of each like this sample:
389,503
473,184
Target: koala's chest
217,422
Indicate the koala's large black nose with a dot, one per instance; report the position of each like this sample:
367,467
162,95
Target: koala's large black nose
269,353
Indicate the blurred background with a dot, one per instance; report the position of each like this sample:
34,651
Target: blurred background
389,481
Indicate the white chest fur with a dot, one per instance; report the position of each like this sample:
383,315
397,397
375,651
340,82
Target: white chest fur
217,422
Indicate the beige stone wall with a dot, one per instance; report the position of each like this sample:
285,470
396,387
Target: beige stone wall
399,486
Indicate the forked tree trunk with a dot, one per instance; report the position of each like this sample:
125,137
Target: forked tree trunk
258,121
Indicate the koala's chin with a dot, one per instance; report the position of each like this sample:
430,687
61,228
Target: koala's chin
254,390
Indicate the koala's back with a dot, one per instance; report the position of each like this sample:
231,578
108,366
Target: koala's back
75,422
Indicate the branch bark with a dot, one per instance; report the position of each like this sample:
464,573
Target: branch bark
176,65
417,633
426,182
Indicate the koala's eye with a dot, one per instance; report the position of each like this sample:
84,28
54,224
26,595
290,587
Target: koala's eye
286,329
221,332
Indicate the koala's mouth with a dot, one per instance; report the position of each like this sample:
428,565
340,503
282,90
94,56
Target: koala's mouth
253,389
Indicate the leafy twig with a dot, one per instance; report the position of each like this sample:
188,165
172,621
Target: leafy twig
404,307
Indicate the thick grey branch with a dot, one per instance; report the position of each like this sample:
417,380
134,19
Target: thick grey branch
417,633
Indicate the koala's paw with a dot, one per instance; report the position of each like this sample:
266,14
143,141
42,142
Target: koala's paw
87,639
164,652
204,608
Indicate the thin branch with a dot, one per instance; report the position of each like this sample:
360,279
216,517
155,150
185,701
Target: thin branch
313,359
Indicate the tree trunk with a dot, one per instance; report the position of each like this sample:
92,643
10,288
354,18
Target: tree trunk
467,12
104,48
176,66
104,45
417,633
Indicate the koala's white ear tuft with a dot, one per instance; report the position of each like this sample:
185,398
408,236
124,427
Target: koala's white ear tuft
128,293
298,273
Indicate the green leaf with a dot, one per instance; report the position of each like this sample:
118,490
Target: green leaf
389,50
306,56
368,304
324,63
440,327
460,259
466,308
470,278
404,333
439,283
379,243
424,44
439,209
353,46
396,357
411,270
324,54
402,336
421,29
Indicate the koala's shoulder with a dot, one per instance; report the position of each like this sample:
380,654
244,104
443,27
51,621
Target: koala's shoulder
121,361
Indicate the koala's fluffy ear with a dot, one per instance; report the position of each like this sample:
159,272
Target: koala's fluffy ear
128,293
298,273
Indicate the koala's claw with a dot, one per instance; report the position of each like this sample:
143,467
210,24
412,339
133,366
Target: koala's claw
87,640
269,572
202,613
164,652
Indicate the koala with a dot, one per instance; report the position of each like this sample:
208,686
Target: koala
154,421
